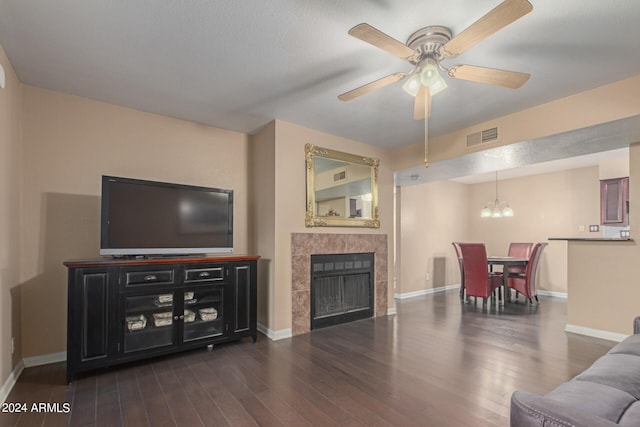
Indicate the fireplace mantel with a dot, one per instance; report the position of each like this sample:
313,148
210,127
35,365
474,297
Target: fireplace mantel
303,245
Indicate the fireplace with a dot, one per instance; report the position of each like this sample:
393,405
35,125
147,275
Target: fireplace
305,245
341,288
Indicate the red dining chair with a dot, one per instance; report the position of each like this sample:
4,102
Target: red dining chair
478,282
519,250
525,284
456,246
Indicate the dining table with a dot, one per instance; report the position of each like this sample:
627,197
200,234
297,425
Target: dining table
506,262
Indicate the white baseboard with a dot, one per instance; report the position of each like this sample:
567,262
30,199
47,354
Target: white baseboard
457,286
425,292
275,335
596,333
45,359
10,382
553,294
286,333
29,362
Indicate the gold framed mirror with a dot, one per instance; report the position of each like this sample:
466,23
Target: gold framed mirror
342,189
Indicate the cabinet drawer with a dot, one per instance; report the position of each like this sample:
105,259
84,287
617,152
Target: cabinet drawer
199,275
147,277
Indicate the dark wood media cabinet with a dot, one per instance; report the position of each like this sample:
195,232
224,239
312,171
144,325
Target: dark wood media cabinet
121,310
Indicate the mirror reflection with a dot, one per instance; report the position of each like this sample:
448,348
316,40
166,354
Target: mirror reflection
341,189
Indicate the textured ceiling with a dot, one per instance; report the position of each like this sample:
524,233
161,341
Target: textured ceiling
240,64
567,150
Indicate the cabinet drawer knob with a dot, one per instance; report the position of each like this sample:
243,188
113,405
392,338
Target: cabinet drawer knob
150,277
204,274
182,316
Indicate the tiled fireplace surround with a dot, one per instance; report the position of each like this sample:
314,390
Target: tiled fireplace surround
303,245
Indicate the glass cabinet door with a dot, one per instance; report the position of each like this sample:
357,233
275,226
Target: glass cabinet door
148,322
203,313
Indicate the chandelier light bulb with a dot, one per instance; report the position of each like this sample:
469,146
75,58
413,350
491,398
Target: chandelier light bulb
496,213
494,210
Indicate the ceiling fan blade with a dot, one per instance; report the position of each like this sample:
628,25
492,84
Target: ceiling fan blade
502,15
491,76
422,109
370,87
377,38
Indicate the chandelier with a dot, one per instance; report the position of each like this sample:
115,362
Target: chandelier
496,209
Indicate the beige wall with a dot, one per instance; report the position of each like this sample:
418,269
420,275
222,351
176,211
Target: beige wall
614,168
289,205
9,220
552,205
603,288
432,216
68,143
606,103
262,208
547,205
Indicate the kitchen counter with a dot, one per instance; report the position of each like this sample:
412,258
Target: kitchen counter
593,239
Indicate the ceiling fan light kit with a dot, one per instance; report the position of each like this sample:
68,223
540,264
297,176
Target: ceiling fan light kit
431,78
428,76
427,47
412,85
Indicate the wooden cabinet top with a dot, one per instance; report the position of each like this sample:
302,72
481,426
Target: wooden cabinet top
157,260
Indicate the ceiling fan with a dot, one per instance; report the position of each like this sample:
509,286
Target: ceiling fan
427,47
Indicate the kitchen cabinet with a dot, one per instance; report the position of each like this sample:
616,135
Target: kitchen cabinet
614,201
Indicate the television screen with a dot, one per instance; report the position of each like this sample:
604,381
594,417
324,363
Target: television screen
156,218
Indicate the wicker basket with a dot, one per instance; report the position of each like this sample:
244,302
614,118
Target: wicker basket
162,319
137,322
208,313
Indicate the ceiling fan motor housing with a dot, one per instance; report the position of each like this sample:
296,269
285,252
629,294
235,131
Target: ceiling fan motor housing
427,43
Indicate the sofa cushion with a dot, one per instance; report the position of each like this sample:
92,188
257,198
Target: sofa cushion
530,410
621,371
606,394
631,417
630,345
593,398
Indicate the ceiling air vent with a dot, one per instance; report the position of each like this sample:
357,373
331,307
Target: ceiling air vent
340,176
483,136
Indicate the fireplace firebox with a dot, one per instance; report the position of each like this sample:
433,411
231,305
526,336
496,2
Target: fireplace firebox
342,288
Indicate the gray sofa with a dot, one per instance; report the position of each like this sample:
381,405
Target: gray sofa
606,394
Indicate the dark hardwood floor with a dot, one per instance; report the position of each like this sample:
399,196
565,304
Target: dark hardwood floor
436,363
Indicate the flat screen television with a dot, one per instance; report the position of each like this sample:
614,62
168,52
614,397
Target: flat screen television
141,217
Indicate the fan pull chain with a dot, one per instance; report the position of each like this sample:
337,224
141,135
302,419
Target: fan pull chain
426,131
